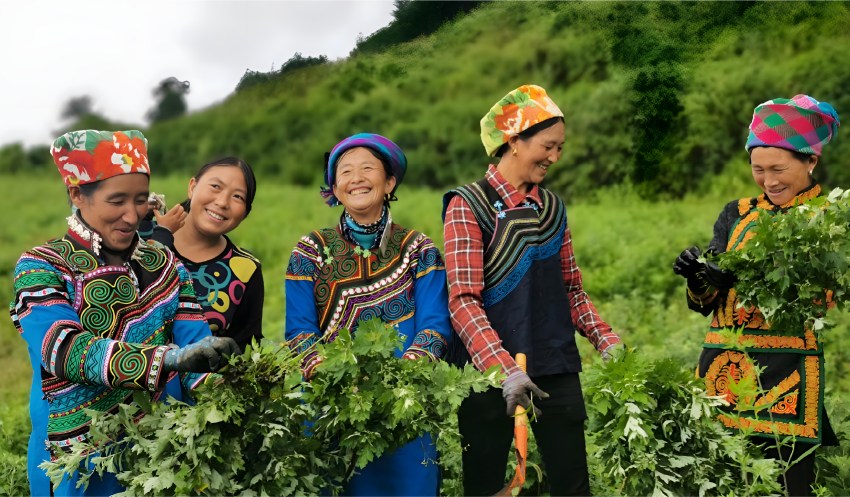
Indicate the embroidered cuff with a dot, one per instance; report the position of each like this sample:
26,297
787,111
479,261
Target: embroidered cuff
416,353
702,297
156,374
428,343
308,365
305,342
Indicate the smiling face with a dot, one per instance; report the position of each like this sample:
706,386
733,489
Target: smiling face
115,209
218,200
361,183
780,174
534,156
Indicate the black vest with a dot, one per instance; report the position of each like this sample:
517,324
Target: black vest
524,295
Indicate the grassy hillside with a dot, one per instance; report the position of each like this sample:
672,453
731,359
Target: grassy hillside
656,93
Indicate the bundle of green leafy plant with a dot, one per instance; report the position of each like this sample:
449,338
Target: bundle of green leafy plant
792,259
13,449
262,430
652,430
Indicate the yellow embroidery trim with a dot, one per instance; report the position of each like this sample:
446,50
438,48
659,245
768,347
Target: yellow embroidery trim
780,389
742,225
727,368
787,405
808,429
809,342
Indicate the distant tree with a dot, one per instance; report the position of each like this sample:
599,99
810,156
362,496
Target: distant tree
39,157
170,97
13,158
77,107
297,61
252,78
78,113
411,19
93,121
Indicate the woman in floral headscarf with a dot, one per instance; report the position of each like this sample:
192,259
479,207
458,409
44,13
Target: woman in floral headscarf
367,266
515,287
106,315
785,143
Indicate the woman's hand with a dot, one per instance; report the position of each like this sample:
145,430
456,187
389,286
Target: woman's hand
717,277
172,220
613,351
517,389
205,356
687,264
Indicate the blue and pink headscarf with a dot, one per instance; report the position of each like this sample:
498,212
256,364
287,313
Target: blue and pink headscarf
801,124
389,151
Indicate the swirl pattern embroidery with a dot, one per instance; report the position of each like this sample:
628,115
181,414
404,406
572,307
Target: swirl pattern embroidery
101,300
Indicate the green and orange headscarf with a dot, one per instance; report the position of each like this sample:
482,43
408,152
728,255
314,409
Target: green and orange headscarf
517,111
88,155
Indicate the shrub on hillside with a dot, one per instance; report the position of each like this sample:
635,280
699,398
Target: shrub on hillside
14,433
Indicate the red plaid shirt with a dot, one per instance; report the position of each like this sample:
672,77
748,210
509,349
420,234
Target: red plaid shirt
465,272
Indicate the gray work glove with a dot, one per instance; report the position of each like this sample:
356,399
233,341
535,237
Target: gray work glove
205,356
515,390
613,351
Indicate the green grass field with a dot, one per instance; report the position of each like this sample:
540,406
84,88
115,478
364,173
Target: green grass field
624,245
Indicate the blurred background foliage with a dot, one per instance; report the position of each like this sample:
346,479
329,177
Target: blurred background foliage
658,95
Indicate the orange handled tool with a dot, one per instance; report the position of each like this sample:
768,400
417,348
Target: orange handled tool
520,442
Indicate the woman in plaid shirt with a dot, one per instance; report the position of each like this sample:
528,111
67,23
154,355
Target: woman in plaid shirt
514,287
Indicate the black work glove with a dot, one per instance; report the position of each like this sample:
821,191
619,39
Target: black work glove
717,277
686,264
205,356
515,390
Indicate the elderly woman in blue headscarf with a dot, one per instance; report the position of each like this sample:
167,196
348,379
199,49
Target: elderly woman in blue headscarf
367,266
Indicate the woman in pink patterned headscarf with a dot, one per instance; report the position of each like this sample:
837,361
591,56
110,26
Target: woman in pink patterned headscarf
785,143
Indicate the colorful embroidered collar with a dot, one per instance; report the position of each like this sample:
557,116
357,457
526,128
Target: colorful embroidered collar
86,236
763,202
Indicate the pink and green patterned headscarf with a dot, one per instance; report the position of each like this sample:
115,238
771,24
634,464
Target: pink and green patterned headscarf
801,124
514,113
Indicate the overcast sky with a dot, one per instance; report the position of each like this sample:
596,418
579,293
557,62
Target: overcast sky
117,51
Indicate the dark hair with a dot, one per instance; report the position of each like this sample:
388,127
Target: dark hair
800,156
823,172
247,172
86,190
530,131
